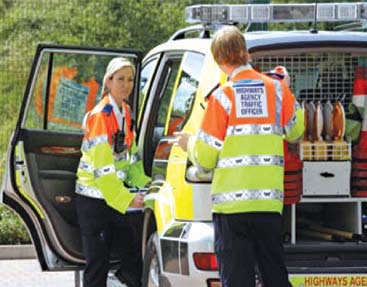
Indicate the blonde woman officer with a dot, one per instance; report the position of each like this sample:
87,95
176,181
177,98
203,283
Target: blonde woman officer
107,210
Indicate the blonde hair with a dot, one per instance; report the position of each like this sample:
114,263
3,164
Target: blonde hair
113,66
229,47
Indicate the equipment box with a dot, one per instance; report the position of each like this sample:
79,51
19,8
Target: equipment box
326,178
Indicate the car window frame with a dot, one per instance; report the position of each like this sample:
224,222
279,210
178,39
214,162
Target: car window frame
141,108
153,102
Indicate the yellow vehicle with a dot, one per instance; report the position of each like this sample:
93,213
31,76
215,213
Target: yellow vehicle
324,215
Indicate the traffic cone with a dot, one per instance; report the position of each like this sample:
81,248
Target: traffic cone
359,166
360,149
360,88
292,176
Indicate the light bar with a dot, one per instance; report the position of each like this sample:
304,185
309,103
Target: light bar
266,13
347,11
260,12
325,11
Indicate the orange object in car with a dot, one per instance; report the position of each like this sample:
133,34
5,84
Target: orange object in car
338,118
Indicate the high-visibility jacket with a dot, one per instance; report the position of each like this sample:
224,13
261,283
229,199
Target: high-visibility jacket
241,138
102,172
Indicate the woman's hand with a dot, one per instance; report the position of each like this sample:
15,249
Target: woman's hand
138,201
182,139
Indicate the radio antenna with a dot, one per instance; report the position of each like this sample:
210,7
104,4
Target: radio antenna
314,29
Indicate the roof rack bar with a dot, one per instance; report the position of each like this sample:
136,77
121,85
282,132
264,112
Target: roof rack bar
181,34
267,13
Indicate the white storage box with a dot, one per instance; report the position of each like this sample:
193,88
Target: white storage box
326,178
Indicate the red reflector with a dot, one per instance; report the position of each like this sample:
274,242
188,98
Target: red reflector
205,261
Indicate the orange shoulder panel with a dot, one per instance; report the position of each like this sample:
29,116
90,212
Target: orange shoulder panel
100,123
215,119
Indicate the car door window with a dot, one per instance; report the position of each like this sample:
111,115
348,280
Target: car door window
146,76
35,115
67,86
172,104
185,92
172,69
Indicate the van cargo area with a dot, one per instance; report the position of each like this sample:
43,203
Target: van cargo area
326,175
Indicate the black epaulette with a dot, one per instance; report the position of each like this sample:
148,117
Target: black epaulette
211,91
275,75
107,109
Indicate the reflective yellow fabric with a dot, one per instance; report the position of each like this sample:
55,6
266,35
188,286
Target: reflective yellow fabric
135,172
298,128
209,160
249,177
100,166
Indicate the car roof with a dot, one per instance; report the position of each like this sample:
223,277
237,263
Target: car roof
256,39
200,45
269,38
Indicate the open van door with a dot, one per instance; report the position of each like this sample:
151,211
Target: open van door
65,82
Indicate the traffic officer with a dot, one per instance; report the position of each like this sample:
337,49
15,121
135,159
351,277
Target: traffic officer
109,164
241,138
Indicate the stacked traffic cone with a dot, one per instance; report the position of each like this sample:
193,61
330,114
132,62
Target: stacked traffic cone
359,88
359,166
292,176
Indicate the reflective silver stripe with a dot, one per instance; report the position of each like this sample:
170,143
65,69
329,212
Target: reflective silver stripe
98,172
288,127
88,191
85,166
122,156
223,100
250,160
210,140
102,171
247,194
88,144
241,130
121,174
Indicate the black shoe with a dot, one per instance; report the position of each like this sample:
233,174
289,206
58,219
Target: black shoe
127,278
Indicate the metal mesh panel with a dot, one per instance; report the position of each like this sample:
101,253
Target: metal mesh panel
316,76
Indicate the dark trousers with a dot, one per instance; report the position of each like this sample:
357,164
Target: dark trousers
245,239
105,231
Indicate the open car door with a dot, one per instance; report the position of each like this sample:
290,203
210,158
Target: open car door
44,151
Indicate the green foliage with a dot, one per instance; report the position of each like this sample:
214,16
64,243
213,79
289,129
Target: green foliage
12,230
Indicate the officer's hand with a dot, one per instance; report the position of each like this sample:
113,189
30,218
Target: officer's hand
138,201
182,139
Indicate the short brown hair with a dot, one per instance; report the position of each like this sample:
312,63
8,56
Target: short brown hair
229,46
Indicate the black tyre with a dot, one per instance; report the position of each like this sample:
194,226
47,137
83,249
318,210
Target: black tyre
151,264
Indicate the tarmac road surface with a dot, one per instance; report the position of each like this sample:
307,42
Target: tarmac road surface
27,273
